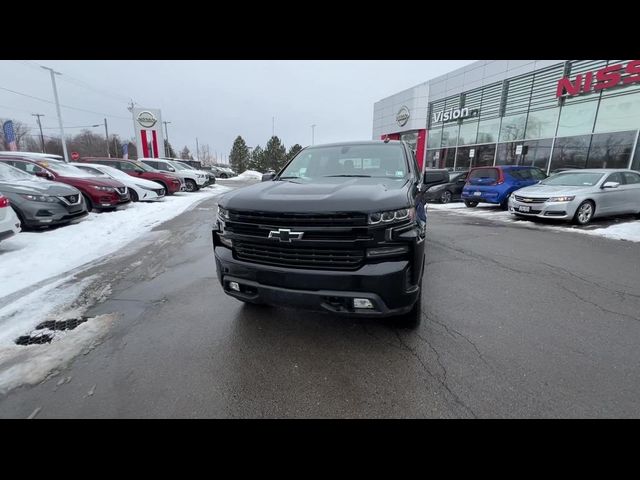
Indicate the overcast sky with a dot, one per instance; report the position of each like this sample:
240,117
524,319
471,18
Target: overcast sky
215,101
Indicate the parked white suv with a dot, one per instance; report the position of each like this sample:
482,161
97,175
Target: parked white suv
192,179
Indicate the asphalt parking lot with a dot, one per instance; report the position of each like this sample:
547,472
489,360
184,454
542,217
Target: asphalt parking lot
518,322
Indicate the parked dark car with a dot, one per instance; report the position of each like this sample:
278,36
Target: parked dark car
496,184
340,229
169,181
99,193
449,191
40,203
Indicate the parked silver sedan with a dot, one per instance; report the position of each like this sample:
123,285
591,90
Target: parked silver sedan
580,195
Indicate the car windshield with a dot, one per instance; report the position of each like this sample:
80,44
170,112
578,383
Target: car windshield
91,170
145,167
527,174
385,160
184,166
114,172
11,174
177,166
573,179
66,170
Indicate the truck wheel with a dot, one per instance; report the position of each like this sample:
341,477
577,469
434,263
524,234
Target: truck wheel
470,203
413,317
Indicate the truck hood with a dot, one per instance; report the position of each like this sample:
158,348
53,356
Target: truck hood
324,195
37,187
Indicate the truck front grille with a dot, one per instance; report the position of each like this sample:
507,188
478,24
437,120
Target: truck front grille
302,257
299,219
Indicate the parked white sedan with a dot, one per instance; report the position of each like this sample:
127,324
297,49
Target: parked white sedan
9,223
140,189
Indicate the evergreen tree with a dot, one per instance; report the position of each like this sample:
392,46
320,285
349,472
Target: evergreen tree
168,150
293,151
185,154
239,156
275,154
257,159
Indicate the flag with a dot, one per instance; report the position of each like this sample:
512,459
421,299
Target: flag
125,151
10,135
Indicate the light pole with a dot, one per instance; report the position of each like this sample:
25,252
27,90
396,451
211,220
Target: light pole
55,95
38,115
313,128
106,136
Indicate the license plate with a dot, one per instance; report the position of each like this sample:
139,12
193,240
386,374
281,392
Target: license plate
477,194
524,209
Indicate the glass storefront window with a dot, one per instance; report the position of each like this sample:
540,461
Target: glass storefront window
536,153
488,130
463,161
512,128
570,152
635,163
507,153
449,156
434,138
542,123
467,133
618,113
611,150
450,136
577,118
484,155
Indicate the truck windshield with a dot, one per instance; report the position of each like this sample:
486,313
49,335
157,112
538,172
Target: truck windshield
381,161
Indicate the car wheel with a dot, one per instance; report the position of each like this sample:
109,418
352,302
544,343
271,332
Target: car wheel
470,203
190,185
446,197
134,195
166,189
87,200
584,213
224,175
413,317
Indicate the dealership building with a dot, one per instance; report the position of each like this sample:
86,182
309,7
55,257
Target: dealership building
547,113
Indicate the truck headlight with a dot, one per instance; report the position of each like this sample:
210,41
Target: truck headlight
223,213
392,216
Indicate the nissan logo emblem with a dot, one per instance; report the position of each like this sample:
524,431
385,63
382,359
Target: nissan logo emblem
402,117
146,119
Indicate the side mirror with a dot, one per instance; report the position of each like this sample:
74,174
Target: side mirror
139,171
433,177
462,180
171,169
268,177
44,174
610,185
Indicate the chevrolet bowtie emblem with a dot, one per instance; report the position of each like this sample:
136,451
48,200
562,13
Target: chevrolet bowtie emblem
285,235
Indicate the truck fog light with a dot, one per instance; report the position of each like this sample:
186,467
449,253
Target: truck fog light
362,303
234,286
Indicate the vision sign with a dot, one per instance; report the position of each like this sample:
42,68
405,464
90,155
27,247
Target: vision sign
608,77
453,114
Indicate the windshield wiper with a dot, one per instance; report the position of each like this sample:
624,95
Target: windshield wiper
345,175
287,178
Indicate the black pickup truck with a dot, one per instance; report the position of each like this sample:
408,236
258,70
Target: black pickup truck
341,229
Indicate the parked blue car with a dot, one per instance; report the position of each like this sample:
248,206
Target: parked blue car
495,184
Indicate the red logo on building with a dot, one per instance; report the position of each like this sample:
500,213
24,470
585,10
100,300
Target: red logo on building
607,77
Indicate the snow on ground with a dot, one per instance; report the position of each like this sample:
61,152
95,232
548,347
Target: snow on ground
44,266
627,229
248,175
31,257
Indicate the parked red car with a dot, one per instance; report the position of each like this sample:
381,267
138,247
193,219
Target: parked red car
99,193
171,183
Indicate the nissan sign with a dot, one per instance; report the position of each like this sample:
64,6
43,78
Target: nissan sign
146,119
608,77
402,117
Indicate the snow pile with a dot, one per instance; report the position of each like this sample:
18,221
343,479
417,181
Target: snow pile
251,175
625,230
32,257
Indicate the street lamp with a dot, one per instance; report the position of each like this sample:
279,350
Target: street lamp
313,128
166,136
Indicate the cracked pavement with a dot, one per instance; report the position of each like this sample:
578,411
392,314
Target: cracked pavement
517,323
